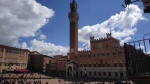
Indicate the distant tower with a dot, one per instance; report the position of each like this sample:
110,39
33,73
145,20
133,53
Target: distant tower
73,18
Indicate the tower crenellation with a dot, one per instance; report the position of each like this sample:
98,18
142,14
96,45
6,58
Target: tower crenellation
91,38
108,36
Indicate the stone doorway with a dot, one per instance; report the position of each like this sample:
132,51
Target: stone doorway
69,71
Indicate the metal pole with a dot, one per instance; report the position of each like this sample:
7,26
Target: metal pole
144,42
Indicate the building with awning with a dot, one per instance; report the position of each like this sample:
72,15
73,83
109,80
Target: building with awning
21,71
12,58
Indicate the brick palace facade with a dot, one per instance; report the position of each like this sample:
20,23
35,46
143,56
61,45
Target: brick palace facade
105,59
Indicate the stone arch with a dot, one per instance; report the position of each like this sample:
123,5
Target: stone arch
70,71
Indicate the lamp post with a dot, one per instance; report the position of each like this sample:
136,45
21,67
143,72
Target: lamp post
144,42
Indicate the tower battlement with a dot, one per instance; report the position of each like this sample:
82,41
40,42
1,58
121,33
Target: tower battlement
108,36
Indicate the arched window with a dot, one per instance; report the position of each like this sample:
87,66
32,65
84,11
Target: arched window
89,65
120,65
94,65
119,52
106,45
94,55
72,9
93,47
98,54
85,65
99,73
80,55
115,64
80,65
108,65
114,53
95,73
108,54
103,54
84,55
99,65
89,55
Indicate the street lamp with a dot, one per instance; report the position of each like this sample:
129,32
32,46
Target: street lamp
144,42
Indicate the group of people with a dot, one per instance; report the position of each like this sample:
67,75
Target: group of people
20,81
35,78
20,75
21,78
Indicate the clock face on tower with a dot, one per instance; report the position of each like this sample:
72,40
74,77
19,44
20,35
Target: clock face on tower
72,50
100,45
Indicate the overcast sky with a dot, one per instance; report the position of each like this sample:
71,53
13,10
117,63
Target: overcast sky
43,25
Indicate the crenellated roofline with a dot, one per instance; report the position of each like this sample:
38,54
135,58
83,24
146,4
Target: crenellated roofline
108,36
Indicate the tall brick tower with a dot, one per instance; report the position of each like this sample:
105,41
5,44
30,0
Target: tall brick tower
73,18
